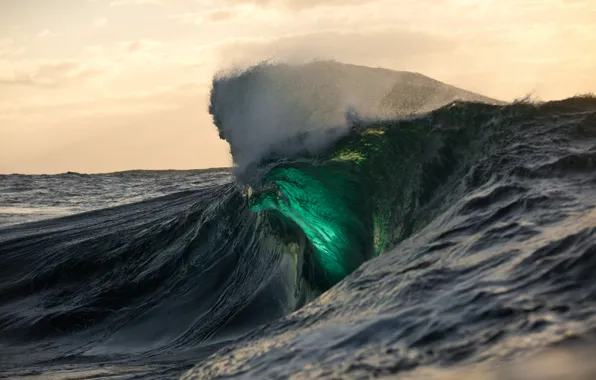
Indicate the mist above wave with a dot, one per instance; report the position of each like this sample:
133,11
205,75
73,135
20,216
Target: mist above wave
293,109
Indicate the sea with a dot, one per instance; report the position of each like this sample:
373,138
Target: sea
456,241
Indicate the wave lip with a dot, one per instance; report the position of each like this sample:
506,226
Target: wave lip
292,109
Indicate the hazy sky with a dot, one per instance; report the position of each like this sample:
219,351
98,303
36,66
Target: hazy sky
106,85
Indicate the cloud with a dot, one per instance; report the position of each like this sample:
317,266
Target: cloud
220,15
100,22
167,97
207,16
301,4
116,3
48,73
138,46
8,48
387,47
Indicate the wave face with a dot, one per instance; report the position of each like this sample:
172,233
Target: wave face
302,139
456,236
373,189
169,278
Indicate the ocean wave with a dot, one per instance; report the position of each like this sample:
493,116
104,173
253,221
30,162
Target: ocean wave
442,238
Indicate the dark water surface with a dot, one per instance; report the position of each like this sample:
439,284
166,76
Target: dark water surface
476,222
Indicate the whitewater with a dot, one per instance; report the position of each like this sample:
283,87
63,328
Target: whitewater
376,224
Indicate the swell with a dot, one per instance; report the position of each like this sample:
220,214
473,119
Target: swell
161,275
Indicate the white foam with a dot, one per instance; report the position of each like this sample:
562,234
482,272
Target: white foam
290,109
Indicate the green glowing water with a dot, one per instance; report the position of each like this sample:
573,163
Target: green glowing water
324,201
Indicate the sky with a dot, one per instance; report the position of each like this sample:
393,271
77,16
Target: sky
107,85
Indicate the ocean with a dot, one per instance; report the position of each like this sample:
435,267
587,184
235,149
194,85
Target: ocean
451,240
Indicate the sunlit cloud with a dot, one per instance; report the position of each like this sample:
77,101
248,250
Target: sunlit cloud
220,15
374,46
50,73
138,46
8,48
116,3
161,97
301,4
200,18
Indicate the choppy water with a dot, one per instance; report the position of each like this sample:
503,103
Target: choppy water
419,247
28,198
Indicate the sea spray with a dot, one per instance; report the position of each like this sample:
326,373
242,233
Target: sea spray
293,109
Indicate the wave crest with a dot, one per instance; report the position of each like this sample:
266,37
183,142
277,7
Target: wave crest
294,109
